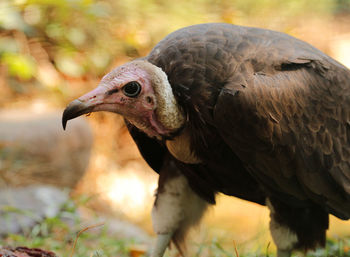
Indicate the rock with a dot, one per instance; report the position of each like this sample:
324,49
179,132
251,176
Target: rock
22,208
124,229
115,227
34,149
22,251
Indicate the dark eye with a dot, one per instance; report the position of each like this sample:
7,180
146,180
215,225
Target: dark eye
132,89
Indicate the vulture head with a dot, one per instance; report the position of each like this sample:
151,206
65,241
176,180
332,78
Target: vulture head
140,92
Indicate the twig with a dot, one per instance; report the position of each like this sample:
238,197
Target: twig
236,251
267,249
79,233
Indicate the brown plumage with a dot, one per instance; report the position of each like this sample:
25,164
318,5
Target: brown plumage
267,116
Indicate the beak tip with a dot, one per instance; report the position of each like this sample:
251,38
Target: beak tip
65,117
64,123
73,110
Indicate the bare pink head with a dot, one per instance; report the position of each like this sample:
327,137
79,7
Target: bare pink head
140,92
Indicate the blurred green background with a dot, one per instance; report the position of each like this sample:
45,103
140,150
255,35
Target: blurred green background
52,51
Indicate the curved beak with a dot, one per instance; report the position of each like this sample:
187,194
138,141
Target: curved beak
73,110
84,104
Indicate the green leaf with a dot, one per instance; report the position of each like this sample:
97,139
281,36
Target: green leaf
22,66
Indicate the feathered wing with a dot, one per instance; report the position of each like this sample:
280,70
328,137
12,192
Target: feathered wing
281,105
290,126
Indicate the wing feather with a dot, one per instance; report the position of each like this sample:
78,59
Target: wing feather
282,106
291,128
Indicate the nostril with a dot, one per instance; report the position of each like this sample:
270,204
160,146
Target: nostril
110,92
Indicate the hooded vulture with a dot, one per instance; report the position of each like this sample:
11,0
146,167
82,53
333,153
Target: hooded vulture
247,112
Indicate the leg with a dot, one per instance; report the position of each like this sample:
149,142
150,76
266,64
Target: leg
284,238
161,244
302,227
176,209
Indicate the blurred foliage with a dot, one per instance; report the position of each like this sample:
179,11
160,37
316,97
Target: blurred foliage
46,43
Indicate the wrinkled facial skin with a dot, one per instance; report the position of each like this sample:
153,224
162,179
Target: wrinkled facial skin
118,93
110,95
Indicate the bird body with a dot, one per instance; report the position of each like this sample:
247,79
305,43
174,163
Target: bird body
248,112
